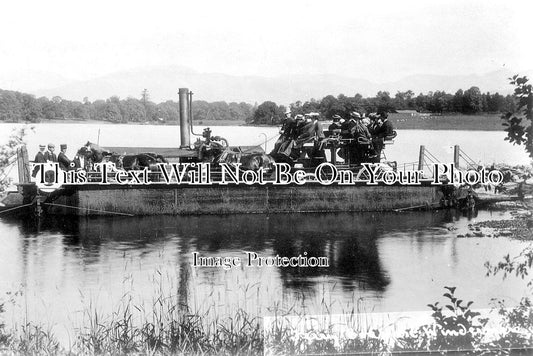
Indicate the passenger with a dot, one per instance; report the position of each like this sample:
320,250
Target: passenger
80,162
310,131
49,155
365,120
361,139
62,159
286,127
336,126
39,158
377,143
335,130
385,126
381,130
283,148
374,123
346,127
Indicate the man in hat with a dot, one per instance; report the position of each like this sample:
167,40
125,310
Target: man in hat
365,119
361,138
385,126
80,161
335,130
310,135
358,130
288,124
336,126
309,129
62,159
382,129
374,123
283,145
49,155
39,158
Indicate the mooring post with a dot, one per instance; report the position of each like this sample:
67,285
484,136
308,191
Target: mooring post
421,157
23,165
456,150
38,207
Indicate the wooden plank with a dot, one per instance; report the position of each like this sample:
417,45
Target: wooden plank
23,164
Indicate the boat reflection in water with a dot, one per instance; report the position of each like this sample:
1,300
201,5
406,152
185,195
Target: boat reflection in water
349,241
394,261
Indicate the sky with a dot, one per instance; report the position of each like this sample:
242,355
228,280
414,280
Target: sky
380,41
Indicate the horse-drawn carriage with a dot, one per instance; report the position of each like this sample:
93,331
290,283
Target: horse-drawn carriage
305,154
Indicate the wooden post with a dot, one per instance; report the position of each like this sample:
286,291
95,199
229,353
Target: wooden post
456,151
421,157
23,165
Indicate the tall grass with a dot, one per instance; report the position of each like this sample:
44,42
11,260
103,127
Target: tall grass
176,323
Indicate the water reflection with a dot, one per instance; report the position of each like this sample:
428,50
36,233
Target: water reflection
394,262
348,240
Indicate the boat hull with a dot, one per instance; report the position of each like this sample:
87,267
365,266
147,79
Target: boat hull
158,199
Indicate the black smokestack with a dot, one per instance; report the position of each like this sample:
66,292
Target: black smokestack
185,135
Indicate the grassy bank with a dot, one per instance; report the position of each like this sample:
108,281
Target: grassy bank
485,122
171,329
165,325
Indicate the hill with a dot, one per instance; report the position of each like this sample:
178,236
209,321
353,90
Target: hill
163,82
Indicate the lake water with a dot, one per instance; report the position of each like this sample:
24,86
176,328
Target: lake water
382,262
378,262
486,147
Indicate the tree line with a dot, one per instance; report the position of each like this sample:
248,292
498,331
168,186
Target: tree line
17,107
470,101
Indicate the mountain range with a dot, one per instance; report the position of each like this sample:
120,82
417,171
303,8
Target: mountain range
162,83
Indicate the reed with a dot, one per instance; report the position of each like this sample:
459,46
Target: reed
171,323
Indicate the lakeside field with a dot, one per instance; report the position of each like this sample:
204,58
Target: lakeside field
481,122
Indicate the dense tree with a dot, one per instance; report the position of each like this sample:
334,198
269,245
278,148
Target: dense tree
384,102
458,101
440,102
10,107
168,111
404,100
110,111
132,110
330,106
519,123
268,113
79,110
472,101
31,110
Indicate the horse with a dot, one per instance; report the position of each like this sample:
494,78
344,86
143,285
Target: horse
136,161
141,161
255,161
248,161
96,154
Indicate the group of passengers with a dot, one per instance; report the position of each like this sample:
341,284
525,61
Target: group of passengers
47,154
300,136
359,139
364,136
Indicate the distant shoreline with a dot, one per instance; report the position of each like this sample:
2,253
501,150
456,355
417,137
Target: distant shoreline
460,122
